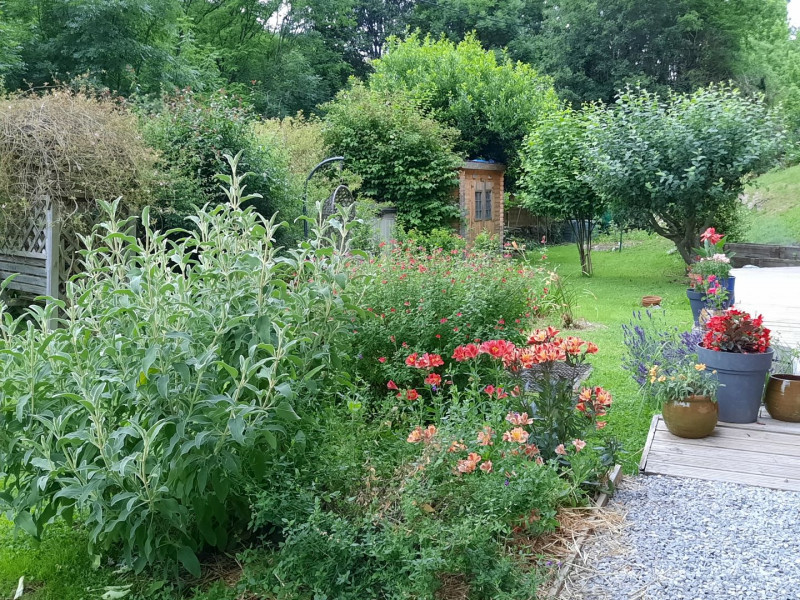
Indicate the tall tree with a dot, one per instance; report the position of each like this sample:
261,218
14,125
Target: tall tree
492,101
554,158
121,44
594,48
680,162
497,24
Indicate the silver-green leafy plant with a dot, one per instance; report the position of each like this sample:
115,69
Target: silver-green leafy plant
150,401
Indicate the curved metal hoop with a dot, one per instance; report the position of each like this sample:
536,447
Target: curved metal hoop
341,196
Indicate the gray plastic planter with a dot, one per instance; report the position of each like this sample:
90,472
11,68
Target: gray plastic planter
743,377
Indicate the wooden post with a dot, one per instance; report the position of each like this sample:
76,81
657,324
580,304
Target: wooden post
52,248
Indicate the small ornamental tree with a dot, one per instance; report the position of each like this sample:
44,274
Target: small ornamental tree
553,161
403,157
679,163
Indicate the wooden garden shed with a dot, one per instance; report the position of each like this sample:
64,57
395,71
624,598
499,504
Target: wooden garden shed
480,196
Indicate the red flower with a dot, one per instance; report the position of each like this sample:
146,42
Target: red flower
382,359
489,389
711,236
392,385
433,379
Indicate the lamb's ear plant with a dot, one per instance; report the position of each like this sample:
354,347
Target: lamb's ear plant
172,381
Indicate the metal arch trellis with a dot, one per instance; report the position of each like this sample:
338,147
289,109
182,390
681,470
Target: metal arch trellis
340,195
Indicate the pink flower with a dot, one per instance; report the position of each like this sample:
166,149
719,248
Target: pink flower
382,359
486,467
392,385
579,445
560,449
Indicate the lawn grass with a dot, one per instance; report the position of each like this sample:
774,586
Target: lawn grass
776,218
56,568
606,301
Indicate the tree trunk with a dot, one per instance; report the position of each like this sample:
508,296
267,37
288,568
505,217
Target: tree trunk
582,228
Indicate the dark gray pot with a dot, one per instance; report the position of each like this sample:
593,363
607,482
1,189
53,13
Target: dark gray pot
743,377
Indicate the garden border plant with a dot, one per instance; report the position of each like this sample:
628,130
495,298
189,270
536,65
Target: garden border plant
172,381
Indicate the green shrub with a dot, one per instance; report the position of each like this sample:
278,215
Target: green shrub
404,158
373,516
171,382
435,302
193,133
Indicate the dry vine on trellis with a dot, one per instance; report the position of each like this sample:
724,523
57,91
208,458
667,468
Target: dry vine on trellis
72,148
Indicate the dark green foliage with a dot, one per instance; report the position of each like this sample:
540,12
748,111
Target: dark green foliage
124,45
193,133
681,162
594,48
403,157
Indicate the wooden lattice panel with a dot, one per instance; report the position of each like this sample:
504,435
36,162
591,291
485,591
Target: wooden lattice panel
30,235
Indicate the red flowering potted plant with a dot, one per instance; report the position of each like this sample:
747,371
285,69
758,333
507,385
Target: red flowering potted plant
737,347
710,274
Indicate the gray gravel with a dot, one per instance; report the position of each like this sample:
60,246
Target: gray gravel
693,539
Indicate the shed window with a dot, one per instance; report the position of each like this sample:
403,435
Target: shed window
487,205
478,205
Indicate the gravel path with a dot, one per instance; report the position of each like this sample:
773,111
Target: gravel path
692,539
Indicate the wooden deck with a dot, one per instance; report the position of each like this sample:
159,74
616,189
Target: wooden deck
764,454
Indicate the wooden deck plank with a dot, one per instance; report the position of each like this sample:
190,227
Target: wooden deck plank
725,454
760,434
718,441
764,424
765,454
735,464
776,483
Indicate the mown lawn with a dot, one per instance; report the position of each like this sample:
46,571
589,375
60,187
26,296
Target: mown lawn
776,220
606,301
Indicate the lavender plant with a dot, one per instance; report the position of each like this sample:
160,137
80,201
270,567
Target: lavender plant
650,341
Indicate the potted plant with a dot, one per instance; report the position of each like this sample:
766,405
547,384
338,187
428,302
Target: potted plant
711,271
687,396
737,347
783,397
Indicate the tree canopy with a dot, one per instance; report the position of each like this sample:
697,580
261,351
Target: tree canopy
492,101
554,159
680,162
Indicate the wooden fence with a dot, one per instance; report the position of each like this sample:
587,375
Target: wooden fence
764,255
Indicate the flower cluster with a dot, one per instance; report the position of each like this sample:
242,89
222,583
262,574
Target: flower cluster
544,346
421,435
425,361
736,331
594,402
712,261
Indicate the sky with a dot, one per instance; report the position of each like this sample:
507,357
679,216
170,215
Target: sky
794,13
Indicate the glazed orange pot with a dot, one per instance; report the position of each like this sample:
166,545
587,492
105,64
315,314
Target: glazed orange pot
692,417
783,397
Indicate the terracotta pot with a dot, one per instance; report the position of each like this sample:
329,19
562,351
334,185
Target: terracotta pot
783,397
651,301
692,417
